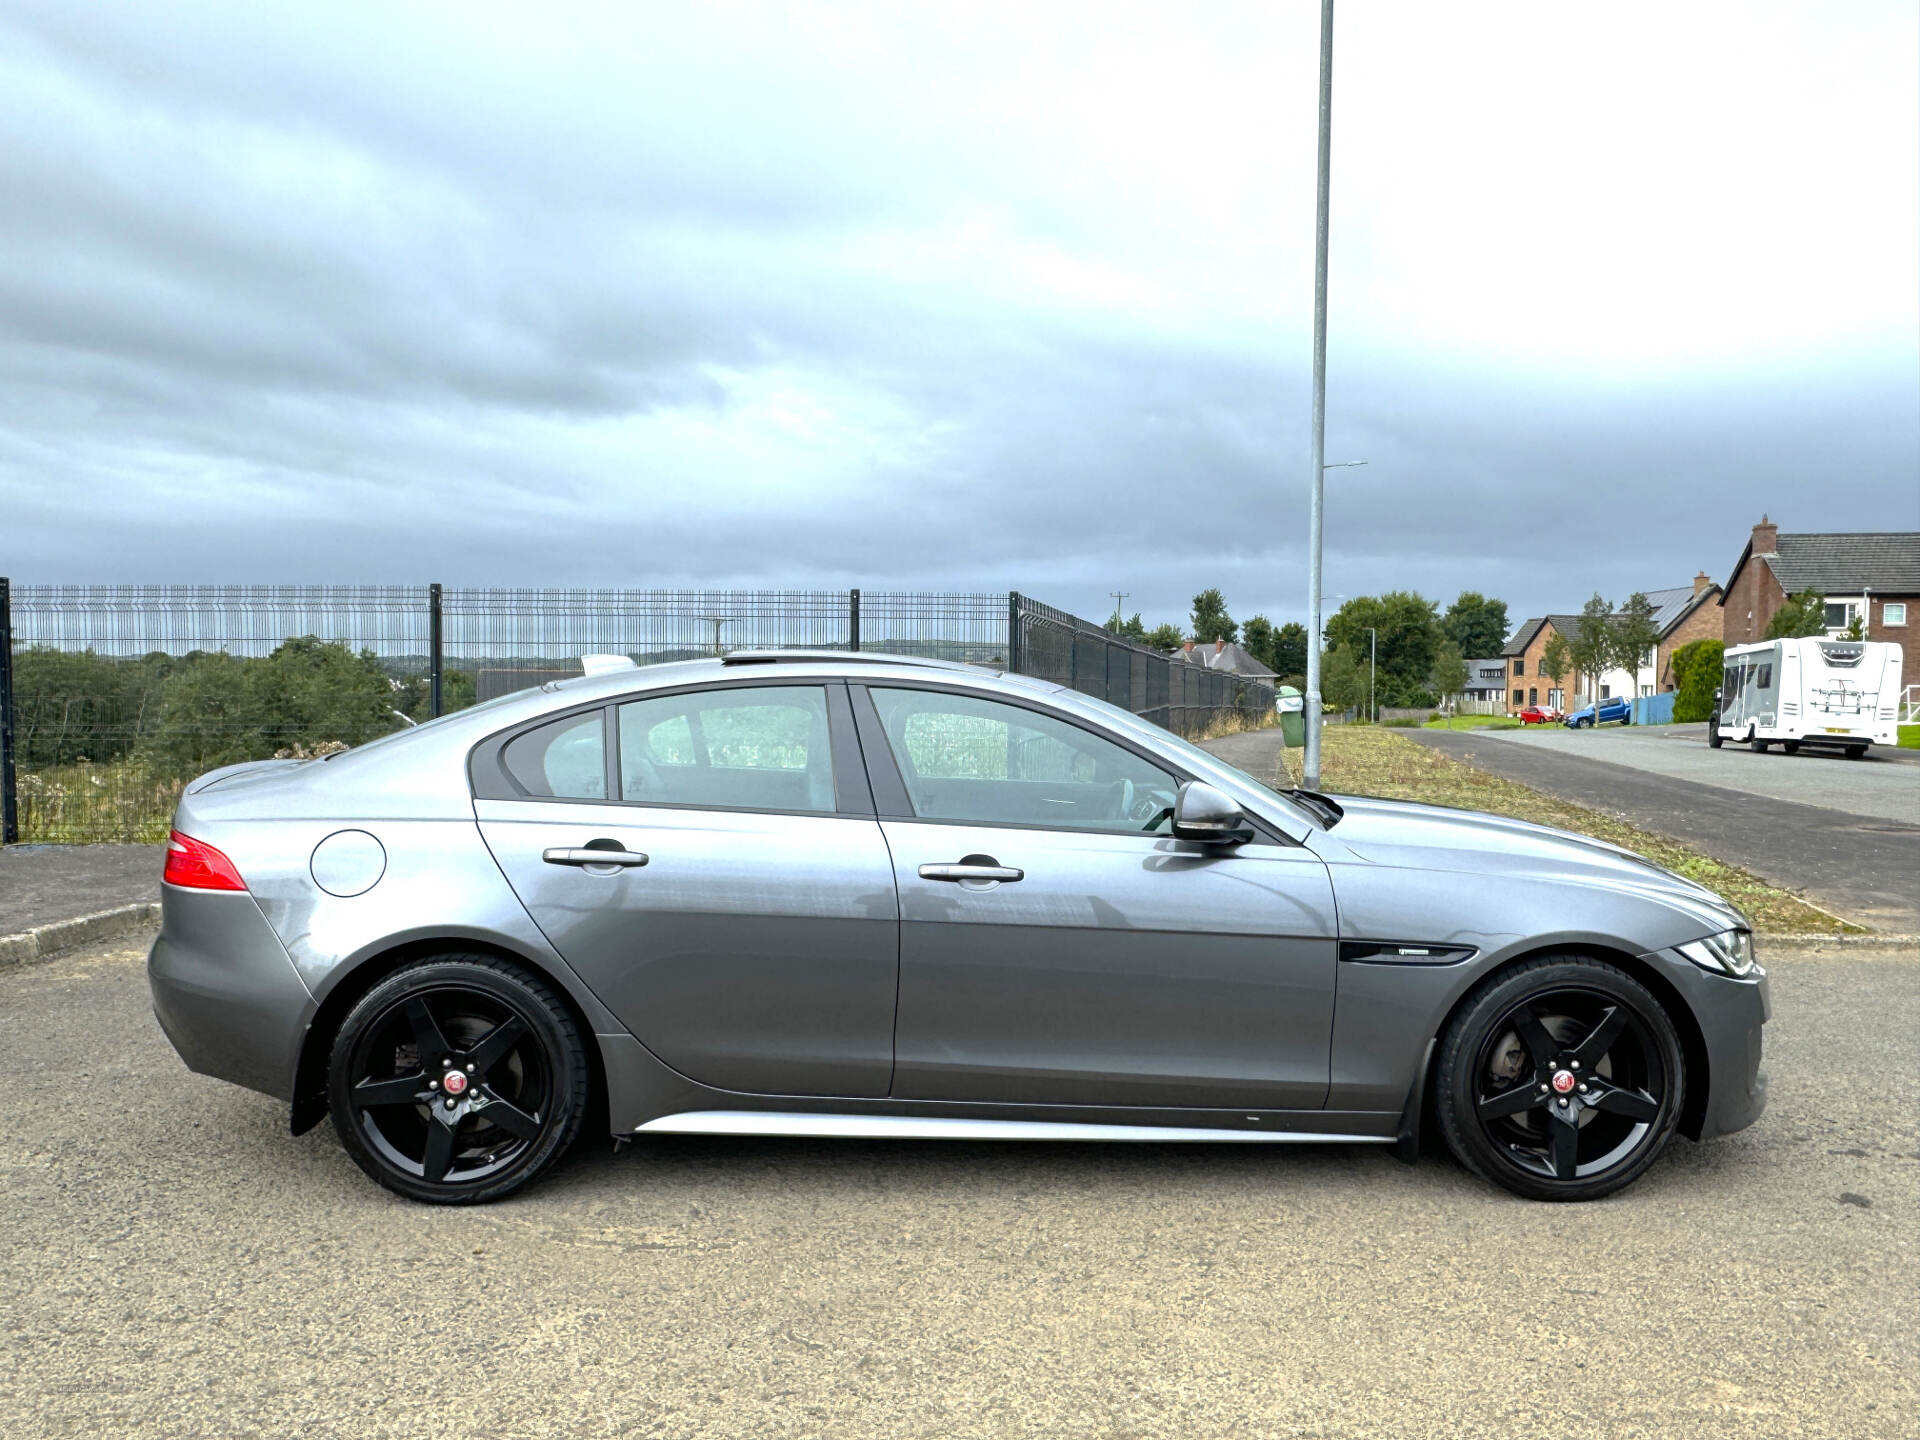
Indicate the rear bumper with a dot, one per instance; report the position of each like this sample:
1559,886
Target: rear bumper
225,991
1731,1014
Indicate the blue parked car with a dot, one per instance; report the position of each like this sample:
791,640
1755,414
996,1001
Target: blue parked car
1618,708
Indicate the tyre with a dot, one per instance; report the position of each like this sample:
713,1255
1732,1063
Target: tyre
1758,746
1713,730
458,1079
1560,1079
1856,752
1791,747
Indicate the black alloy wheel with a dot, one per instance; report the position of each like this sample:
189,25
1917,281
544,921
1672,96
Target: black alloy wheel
458,1079
1562,1079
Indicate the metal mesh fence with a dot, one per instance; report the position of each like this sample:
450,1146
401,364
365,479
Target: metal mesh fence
112,696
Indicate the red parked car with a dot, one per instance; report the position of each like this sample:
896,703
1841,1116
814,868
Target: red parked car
1539,715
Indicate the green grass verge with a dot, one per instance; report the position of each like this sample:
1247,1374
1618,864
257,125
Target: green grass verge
1910,737
1474,722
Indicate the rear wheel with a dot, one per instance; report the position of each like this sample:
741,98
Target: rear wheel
1856,752
458,1079
1792,747
1758,746
1561,1079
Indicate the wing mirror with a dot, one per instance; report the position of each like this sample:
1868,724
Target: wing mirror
1203,813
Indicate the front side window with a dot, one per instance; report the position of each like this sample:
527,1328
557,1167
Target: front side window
564,759
1766,675
983,762
749,748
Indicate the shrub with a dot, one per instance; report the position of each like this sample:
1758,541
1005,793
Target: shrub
1696,673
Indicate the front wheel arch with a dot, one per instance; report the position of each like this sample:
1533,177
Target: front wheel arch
1693,1043
310,1070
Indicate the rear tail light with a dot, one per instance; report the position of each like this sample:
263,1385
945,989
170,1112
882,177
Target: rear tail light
195,865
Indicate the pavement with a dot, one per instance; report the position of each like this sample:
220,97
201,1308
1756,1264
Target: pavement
1837,844
40,884
173,1263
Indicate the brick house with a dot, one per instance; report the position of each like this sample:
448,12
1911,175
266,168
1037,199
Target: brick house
1872,576
1681,615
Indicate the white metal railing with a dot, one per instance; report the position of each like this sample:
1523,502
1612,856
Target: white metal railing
1910,705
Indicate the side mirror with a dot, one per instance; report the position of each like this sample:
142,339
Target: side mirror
1203,813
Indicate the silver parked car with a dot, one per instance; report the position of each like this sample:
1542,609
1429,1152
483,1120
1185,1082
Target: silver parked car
857,895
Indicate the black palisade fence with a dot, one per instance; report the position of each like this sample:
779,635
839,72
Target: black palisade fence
113,696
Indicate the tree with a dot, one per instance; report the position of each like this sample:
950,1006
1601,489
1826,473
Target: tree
1128,629
1696,676
1343,680
1210,619
1803,614
1590,647
1476,625
1635,636
1290,652
1449,673
1409,636
1556,659
1165,637
1257,636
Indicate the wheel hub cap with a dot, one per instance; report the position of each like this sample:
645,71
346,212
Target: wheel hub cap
455,1083
1563,1081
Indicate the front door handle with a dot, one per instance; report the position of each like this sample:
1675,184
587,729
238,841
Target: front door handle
586,855
964,871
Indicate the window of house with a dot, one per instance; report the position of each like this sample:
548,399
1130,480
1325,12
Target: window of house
565,759
1606,692
1533,696
1839,614
1519,667
1556,698
970,759
1516,698
1894,612
743,748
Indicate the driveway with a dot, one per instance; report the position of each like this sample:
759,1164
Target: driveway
173,1263
1843,832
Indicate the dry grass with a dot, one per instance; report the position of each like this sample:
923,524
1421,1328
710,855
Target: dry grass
1235,722
91,803
1360,760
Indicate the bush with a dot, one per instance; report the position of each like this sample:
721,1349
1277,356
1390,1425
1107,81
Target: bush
1696,673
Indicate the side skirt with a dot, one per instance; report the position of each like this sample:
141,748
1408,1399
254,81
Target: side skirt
914,1127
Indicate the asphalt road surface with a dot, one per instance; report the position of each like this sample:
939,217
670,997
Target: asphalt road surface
173,1263
43,883
1839,848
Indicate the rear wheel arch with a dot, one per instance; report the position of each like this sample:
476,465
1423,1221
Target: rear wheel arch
310,1070
1693,1044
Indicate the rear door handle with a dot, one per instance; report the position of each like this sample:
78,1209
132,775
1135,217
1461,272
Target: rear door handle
585,856
971,872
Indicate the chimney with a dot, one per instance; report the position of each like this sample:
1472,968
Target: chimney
1766,538
1219,647
1189,647
1701,582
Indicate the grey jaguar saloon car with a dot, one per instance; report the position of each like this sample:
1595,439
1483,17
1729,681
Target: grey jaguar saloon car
792,893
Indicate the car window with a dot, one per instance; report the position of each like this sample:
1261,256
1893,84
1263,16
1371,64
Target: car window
565,758
968,759
754,748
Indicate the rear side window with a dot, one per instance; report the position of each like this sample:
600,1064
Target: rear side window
566,759
1766,675
746,748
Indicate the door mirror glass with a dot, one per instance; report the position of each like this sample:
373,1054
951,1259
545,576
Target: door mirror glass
1205,814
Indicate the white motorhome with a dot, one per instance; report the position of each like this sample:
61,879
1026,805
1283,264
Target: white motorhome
1811,691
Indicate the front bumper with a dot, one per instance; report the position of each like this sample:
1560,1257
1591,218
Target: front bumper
1730,1014
225,991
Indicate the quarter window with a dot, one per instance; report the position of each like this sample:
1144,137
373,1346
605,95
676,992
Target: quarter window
750,748
565,759
980,761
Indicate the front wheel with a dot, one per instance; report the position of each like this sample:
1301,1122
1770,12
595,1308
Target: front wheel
458,1079
1758,746
1714,739
1561,1079
1791,747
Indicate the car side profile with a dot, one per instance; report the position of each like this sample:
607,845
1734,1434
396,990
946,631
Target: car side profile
1606,712
787,893
1539,715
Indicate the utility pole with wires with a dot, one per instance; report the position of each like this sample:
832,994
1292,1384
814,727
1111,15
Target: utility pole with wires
1120,597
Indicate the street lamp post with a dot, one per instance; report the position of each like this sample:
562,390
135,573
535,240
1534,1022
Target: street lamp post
1310,758
1373,669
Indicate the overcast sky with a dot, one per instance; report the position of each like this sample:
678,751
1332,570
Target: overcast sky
953,297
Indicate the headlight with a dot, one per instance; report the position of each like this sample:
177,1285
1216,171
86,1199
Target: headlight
1728,953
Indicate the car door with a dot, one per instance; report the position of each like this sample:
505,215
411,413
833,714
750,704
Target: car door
1058,946
709,862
